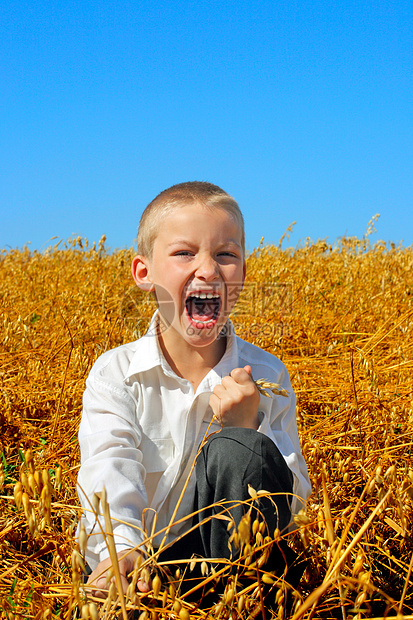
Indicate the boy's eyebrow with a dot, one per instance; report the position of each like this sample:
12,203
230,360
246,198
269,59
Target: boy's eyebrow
178,241
189,243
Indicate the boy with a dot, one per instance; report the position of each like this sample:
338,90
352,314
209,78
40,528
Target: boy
148,404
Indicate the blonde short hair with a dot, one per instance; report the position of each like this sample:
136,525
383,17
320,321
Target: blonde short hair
209,195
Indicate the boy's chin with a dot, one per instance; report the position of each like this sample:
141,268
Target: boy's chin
201,337
206,337
194,333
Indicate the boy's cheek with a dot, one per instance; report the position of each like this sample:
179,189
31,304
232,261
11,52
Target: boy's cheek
165,303
233,293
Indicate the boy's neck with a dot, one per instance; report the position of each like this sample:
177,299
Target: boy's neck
190,363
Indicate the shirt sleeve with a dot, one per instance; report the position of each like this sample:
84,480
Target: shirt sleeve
279,423
109,439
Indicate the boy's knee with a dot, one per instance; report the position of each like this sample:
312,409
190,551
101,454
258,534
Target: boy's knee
247,455
236,459
234,442
232,446
233,436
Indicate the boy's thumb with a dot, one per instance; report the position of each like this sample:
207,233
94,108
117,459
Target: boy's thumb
248,369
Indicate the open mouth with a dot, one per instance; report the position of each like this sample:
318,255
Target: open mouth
203,308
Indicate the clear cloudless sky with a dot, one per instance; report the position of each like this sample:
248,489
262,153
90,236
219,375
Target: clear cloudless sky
301,109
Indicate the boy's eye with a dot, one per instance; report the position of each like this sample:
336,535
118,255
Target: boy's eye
230,254
189,253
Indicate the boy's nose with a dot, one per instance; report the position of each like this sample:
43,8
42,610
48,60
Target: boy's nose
207,269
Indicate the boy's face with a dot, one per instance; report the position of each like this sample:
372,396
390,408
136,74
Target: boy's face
196,271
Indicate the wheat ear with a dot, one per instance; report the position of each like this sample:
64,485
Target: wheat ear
276,390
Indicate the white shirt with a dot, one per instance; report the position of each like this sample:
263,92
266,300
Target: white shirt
142,425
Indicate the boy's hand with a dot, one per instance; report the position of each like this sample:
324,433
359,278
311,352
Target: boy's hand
98,578
235,401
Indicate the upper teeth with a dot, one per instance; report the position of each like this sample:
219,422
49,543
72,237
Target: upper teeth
205,295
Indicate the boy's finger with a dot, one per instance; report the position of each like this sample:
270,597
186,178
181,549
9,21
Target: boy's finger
220,390
241,375
99,587
216,406
143,586
124,582
227,383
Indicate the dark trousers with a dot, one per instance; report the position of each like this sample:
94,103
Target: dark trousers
229,462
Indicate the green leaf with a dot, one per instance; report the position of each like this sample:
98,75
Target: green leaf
29,597
13,585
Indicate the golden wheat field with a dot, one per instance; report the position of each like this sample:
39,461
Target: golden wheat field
341,319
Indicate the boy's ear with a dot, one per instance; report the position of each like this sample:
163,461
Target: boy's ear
140,273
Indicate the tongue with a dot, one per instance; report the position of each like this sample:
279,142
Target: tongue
200,309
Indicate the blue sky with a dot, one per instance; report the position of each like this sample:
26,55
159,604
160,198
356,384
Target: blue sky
302,110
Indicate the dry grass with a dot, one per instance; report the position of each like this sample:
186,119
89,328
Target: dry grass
341,319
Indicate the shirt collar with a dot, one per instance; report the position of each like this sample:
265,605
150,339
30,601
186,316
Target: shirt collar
148,355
